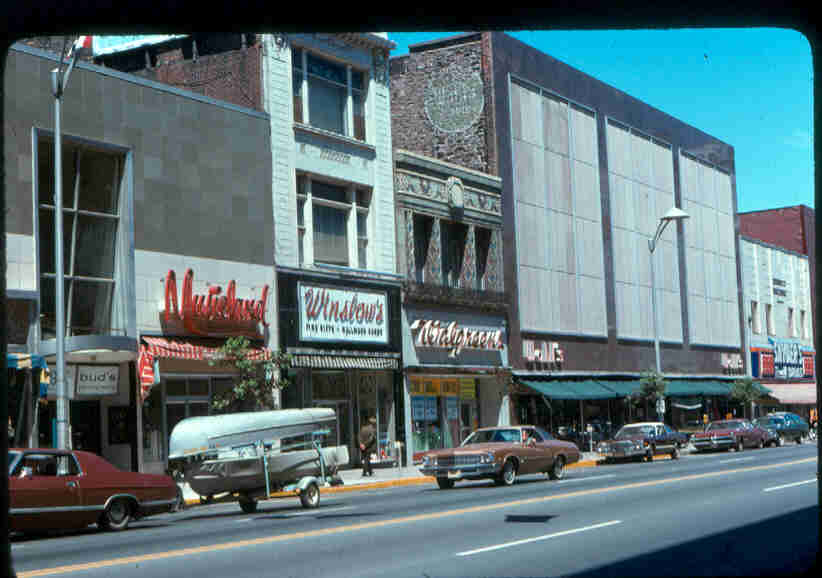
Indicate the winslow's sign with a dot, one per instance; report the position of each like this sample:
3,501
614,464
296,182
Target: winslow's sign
212,315
345,315
433,333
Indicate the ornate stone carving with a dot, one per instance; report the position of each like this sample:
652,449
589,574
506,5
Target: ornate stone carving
433,260
468,274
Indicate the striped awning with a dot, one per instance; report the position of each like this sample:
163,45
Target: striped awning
344,362
25,361
162,348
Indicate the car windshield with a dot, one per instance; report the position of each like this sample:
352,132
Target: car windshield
634,430
723,425
13,460
770,421
493,436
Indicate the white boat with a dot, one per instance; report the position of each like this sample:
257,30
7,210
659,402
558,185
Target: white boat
234,452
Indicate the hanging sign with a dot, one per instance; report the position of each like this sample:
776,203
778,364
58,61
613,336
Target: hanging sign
69,377
95,380
346,315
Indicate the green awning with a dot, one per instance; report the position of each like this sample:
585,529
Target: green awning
622,388
554,389
690,387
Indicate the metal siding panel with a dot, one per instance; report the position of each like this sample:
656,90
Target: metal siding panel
558,182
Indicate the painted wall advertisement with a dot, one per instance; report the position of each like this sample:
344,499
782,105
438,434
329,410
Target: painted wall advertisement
345,315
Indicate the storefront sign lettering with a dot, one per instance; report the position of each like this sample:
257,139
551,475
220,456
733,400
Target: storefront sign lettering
787,359
328,314
432,333
809,365
213,314
336,156
95,380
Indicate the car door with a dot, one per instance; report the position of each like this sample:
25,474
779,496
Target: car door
542,456
529,454
40,499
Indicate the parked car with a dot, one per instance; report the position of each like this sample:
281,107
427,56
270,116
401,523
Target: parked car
501,454
730,434
773,439
790,426
643,440
53,489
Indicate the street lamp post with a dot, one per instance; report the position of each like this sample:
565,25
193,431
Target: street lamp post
59,80
675,214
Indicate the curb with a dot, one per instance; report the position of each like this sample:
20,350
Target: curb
370,486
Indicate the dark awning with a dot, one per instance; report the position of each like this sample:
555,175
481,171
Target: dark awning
556,389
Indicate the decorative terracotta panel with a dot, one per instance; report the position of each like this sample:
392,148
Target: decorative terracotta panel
468,274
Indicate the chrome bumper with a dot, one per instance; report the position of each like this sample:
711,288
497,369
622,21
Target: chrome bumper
710,444
622,452
462,471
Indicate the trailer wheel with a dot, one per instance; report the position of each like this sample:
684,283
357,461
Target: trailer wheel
248,505
310,496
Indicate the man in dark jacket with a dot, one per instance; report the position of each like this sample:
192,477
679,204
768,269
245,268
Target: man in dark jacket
368,444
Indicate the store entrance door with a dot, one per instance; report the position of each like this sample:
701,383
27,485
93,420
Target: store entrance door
341,433
85,426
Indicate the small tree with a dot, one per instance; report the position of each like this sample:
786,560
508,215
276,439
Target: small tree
651,388
254,389
745,391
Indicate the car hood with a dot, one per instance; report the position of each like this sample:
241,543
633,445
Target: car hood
634,438
472,449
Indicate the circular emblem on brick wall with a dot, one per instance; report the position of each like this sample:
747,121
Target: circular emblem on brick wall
454,99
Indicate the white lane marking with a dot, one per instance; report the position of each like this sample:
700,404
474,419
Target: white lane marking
538,538
789,485
294,514
736,460
586,478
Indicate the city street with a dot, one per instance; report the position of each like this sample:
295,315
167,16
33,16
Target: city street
746,513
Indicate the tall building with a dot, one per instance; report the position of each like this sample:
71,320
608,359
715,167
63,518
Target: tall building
586,174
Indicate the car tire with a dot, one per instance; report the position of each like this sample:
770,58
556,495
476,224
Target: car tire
761,443
116,516
558,469
675,453
740,445
799,440
445,483
508,475
248,506
649,455
310,496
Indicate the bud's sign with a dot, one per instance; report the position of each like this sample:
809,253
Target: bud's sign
329,314
212,315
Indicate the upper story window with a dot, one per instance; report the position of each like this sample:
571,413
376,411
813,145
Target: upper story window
91,219
338,234
769,319
453,250
756,322
803,328
328,95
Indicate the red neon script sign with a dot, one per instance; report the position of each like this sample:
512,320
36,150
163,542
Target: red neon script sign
213,314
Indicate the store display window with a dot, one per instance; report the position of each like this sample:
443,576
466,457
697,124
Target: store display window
443,412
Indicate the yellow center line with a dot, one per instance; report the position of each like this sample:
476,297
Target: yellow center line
390,522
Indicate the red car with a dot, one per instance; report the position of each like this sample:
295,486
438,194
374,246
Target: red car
730,434
56,489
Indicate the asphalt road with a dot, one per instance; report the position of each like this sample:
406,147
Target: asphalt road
754,512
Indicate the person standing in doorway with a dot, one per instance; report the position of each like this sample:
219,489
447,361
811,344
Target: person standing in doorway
368,443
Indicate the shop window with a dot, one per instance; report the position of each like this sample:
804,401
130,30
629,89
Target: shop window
453,250
91,220
333,90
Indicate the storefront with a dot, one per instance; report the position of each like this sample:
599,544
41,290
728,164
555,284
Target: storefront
344,341
787,368
176,379
455,374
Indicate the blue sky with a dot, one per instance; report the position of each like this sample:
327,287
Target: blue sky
751,88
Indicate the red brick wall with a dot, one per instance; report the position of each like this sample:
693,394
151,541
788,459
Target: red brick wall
780,227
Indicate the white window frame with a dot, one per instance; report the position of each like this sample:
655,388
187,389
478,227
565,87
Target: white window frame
348,114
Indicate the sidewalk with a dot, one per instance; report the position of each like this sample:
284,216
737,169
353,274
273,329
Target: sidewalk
353,480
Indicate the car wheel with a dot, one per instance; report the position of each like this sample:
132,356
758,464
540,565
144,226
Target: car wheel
649,455
675,453
761,443
445,483
310,496
558,469
508,475
248,506
116,516
739,445
179,501
799,440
